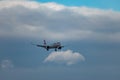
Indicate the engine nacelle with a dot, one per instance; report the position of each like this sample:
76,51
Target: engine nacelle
59,47
47,48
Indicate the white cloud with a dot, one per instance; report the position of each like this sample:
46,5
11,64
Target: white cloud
58,22
65,57
6,64
31,5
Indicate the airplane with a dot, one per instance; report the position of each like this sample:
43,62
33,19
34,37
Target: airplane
56,46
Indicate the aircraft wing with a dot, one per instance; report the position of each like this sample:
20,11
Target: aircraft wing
41,46
62,46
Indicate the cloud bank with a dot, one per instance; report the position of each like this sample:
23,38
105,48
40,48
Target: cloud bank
65,57
54,21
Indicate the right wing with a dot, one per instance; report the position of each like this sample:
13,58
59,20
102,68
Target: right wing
41,46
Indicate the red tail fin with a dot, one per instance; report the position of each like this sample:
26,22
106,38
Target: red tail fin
44,42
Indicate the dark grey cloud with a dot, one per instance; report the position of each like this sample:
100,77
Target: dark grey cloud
94,72
54,21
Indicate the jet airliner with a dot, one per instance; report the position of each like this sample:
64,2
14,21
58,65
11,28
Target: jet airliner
56,46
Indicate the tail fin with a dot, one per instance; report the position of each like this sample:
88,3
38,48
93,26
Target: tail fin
44,42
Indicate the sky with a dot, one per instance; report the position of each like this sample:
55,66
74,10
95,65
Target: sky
89,30
106,4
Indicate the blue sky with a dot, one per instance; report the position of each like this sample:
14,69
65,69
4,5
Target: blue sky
104,4
89,31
